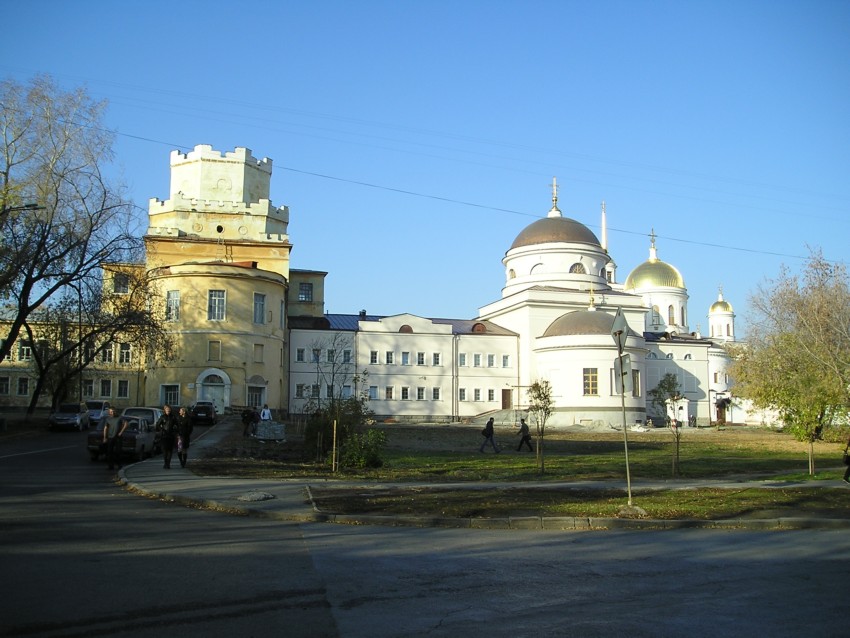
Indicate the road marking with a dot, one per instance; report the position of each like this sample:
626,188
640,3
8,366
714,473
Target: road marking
52,449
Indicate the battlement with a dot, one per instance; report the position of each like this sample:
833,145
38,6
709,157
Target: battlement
206,152
208,175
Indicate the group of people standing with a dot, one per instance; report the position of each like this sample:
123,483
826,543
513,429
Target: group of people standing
175,431
489,437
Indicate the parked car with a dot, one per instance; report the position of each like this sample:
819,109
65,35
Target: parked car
69,415
137,442
98,410
151,415
203,412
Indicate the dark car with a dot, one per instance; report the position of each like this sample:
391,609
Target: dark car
137,441
203,412
69,416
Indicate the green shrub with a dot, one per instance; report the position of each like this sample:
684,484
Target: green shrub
363,450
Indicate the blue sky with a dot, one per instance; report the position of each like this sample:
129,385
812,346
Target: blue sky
414,140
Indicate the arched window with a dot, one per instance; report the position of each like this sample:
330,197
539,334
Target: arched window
651,355
671,315
578,269
511,274
213,378
669,355
688,357
656,316
728,330
684,323
406,329
479,327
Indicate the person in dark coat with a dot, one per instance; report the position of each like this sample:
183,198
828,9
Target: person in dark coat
487,433
525,434
184,433
112,432
167,426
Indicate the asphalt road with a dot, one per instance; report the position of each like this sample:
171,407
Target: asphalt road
82,557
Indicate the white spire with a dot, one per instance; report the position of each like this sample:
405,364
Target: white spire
554,211
604,229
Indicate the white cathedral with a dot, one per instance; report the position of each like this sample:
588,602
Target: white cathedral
553,321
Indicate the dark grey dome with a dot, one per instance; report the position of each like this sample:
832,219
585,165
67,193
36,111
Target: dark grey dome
583,322
555,229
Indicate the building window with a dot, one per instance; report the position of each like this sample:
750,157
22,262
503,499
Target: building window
435,394
331,355
591,382
25,351
476,394
656,316
373,356
688,357
389,359
216,305
506,361
299,390
491,395
684,323
299,355
315,355
405,393
476,361
214,350
405,358
106,354
388,393
256,395
105,388
420,394
258,353
88,387
436,359
282,321
330,391
671,315
23,386
315,391
120,284
346,356
305,292
420,358
172,305
259,308
373,392
578,269
4,386
171,394
461,394
125,354
346,392
123,389
491,360
461,359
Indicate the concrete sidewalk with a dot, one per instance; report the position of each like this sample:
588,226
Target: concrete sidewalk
290,499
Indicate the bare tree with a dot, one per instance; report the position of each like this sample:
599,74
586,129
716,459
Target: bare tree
540,406
60,217
73,329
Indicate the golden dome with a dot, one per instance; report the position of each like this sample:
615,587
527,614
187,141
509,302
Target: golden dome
654,273
721,305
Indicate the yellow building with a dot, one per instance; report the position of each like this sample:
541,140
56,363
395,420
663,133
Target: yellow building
218,255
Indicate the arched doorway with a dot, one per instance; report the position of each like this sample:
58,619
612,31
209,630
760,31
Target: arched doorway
214,385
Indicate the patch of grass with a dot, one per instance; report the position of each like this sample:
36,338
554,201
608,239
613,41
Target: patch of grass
698,504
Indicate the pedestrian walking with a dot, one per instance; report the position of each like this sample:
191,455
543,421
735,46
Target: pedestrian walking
247,419
112,433
525,434
184,434
167,427
487,433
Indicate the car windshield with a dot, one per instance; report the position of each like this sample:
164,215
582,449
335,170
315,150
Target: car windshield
94,405
69,407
